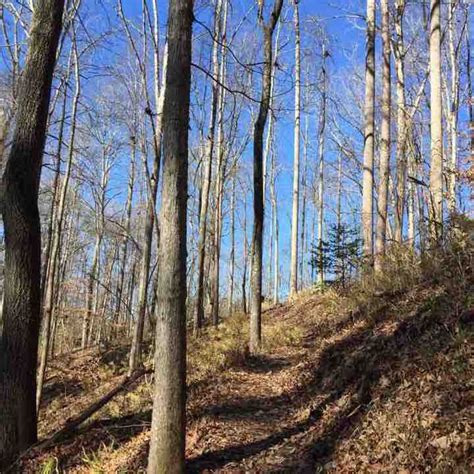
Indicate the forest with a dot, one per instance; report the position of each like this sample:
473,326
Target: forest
236,236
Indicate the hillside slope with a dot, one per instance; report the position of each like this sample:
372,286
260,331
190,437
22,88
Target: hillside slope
377,379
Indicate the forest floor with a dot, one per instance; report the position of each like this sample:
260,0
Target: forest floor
360,381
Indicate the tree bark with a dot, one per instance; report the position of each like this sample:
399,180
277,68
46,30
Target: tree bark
402,132
369,129
296,158
258,205
230,293
220,172
436,130
135,350
454,109
382,202
321,133
56,238
207,173
274,201
19,205
126,230
167,442
245,253
55,186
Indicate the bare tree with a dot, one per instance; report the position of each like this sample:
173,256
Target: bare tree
207,170
402,138
57,232
168,421
369,130
321,139
259,128
230,293
436,169
274,203
454,48
296,159
221,156
135,350
19,205
382,202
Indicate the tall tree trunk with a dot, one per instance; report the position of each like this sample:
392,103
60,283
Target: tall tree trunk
126,229
55,186
230,292
273,197
91,284
269,140
402,138
411,192
382,202
168,427
135,350
369,130
271,119
245,263
436,169
93,280
304,186
322,131
220,173
56,238
207,173
454,110
296,158
257,236
19,205
339,198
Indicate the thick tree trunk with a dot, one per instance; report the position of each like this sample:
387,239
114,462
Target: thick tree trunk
168,421
257,236
436,169
296,158
382,202
19,205
369,130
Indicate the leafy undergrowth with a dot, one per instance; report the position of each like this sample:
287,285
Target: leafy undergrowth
377,378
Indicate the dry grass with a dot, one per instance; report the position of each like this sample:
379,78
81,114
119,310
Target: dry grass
377,378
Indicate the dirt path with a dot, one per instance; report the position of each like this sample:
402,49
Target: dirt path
378,392
264,410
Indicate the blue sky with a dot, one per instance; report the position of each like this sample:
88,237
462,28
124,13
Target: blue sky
347,41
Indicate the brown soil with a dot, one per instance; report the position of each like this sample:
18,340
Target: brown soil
385,390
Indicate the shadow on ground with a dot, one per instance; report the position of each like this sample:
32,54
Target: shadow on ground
337,383
344,373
